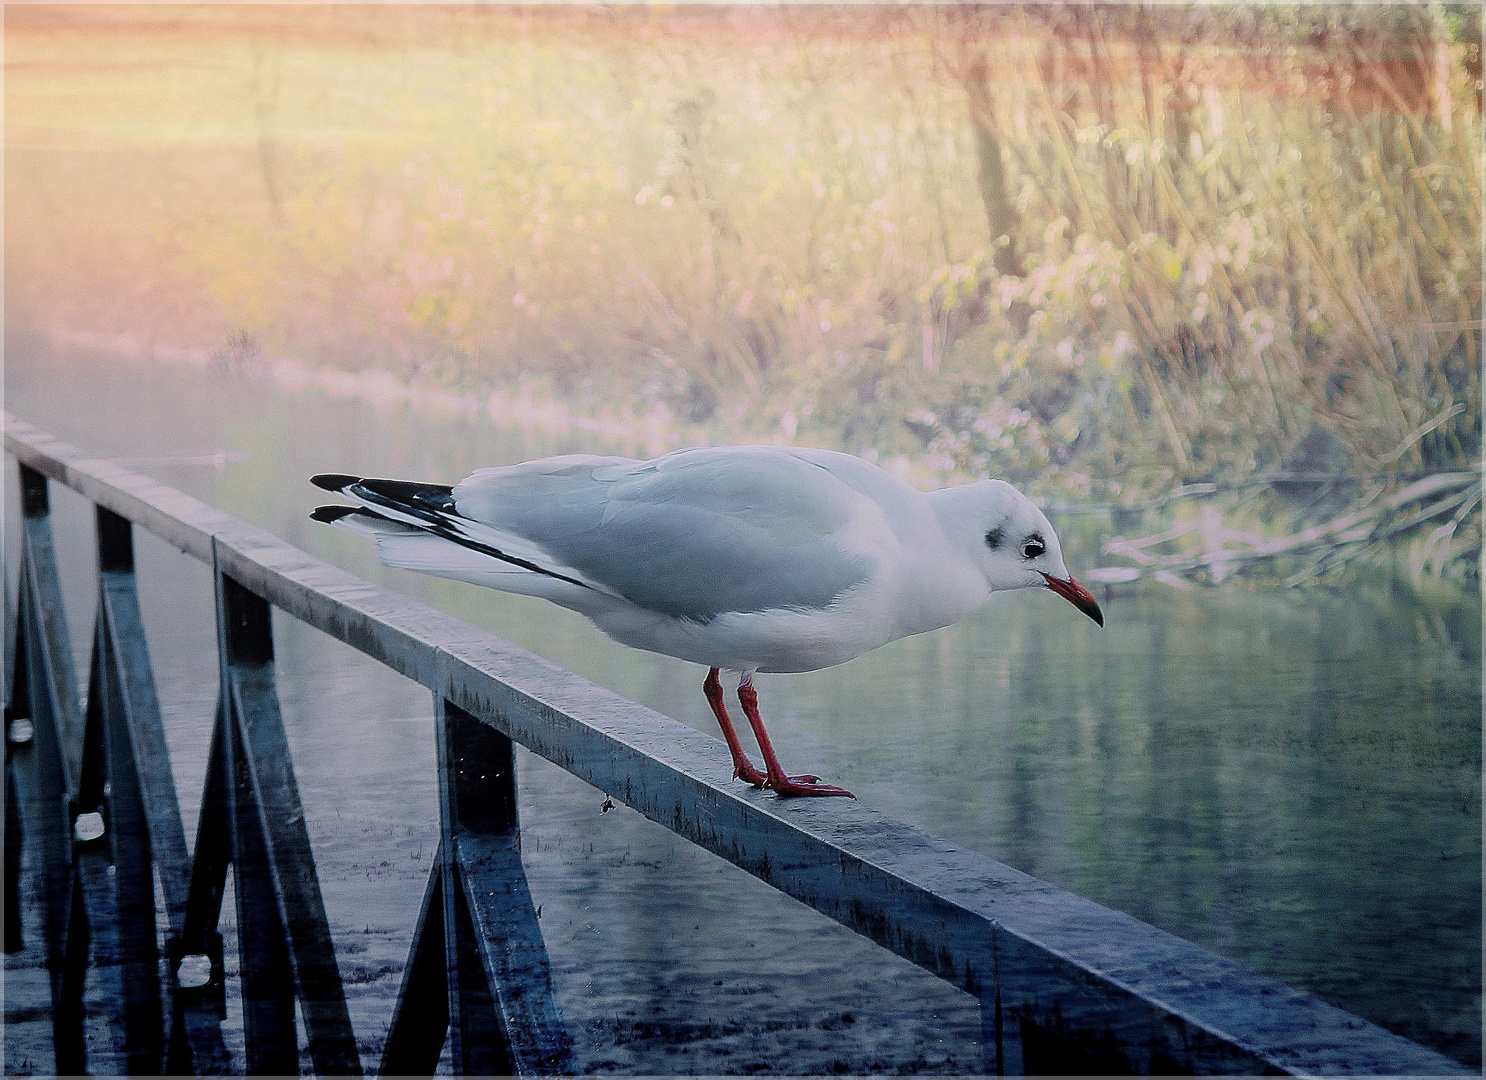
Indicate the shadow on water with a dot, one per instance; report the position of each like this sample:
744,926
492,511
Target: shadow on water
1290,779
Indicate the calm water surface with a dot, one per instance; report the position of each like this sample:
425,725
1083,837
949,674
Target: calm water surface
1292,780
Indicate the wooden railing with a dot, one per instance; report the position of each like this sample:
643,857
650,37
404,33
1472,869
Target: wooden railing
1066,986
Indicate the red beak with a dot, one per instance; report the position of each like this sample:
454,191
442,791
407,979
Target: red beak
1076,595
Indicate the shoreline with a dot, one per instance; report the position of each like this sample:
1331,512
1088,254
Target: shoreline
530,409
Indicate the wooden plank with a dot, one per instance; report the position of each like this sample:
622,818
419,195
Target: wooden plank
94,938
17,743
69,1037
266,969
147,831
477,1038
213,850
10,668
15,938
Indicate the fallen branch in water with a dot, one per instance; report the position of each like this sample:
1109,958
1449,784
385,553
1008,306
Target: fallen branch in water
1375,521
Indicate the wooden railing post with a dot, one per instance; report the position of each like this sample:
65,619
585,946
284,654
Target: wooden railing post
17,733
144,826
478,944
14,837
283,935
124,931
479,1045
36,525
45,695
245,644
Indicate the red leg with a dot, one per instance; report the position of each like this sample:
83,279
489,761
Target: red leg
784,785
742,768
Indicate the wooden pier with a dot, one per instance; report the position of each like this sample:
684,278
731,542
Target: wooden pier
1066,986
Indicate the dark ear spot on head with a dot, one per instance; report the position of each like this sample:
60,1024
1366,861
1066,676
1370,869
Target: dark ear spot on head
993,538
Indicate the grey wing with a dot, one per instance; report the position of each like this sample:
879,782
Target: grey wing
693,534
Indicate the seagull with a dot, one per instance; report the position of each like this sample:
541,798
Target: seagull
739,558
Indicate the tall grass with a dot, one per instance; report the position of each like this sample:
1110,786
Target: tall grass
1223,231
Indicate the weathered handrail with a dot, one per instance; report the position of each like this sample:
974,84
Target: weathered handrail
1066,985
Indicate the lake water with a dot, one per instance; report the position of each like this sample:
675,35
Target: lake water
1290,779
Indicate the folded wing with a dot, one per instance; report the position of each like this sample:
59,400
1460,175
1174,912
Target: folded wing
693,535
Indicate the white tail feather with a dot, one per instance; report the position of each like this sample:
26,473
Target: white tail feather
517,547
375,527
406,546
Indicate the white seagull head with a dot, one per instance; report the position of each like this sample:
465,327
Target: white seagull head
1009,540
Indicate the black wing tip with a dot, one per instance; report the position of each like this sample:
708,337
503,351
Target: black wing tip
334,481
331,514
410,493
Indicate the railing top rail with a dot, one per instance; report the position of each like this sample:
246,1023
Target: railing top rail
1050,957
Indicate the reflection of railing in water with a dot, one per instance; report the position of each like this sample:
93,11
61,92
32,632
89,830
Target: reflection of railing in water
1066,986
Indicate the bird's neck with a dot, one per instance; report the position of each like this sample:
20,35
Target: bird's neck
941,584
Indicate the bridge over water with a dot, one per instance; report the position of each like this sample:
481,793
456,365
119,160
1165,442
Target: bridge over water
128,920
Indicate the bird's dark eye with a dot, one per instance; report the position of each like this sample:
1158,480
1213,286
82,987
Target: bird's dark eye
993,538
1033,547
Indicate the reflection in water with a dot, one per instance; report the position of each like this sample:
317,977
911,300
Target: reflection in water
1292,779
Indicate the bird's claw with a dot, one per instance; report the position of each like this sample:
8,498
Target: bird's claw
786,786
749,775
806,784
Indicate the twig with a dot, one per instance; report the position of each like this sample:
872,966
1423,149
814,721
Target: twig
1403,447
1343,537
1202,491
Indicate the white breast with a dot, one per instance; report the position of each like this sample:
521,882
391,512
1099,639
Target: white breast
770,641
